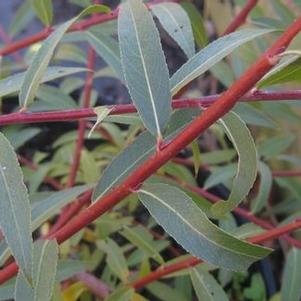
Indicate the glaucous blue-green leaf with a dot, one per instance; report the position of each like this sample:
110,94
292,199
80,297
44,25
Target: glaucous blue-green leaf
137,152
39,64
197,24
102,113
7,291
291,289
145,70
206,287
136,239
41,211
264,189
44,273
189,226
15,217
210,55
12,84
108,49
289,70
245,177
175,21
43,10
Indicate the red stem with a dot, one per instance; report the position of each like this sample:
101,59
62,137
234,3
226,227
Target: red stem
192,131
286,173
241,17
206,101
79,26
82,122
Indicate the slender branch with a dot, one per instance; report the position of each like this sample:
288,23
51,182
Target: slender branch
192,261
286,173
202,122
206,101
241,17
82,123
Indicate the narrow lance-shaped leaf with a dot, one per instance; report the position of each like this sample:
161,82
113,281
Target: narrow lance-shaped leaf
41,211
39,64
206,287
264,190
291,289
44,273
245,177
13,83
108,49
210,55
288,70
135,238
102,113
15,217
43,10
189,226
144,65
175,21
137,152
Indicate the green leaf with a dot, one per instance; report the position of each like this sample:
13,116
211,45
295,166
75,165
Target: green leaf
121,294
15,220
12,84
210,55
43,10
291,289
102,113
7,291
136,239
44,273
245,177
137,153
206,287
108,49
21,18
144,65
44,267
289,70
36,70
41,211
115,259
175,21
190,227
197,23
256,291
196,155
265,186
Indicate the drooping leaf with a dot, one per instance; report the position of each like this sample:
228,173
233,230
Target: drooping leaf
36,70
196,155
137,152
74,291
245,177
289,70
135,238
107,48
102,113
12,84
210,55
23,291
43,10
15,219
190,227
197,24
175,21
206,287
264,188
291,289
144,65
